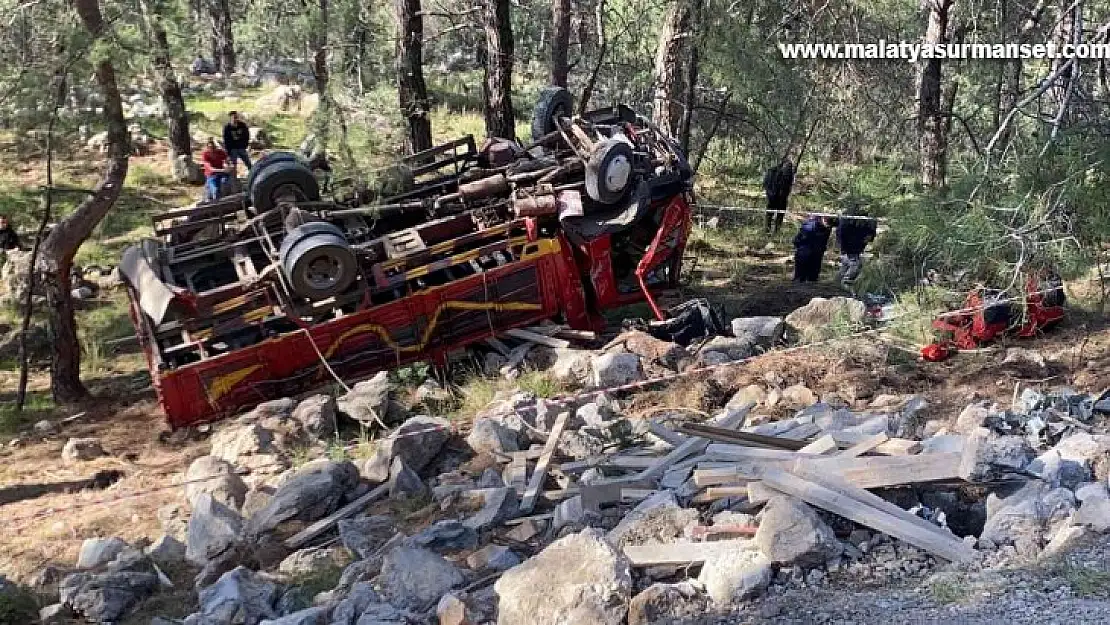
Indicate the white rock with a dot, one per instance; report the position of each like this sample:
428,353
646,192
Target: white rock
737,576
215,477
615,369
81,449
97,552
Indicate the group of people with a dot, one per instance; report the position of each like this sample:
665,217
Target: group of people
220,163
854,230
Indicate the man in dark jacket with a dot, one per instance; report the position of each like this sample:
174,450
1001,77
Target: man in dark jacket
809,248
9,240
237,138
853,232
777,184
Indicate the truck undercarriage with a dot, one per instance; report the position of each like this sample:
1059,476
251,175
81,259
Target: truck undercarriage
275,291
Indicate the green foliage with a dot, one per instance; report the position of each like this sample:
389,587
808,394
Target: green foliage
17,605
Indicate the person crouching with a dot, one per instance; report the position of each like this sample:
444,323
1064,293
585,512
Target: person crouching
853,232
216,174
809,248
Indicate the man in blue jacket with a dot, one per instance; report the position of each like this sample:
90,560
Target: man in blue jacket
809,248
853,232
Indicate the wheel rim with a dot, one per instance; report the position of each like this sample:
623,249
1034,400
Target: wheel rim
617,173
288,192
323,273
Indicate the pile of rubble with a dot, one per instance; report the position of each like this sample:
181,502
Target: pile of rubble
576,512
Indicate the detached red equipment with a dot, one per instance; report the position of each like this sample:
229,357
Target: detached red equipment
274,292
989,314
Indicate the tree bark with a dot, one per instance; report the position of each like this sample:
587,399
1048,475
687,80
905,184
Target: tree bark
177,118
223,41
689,100
602,48
61,245
412,93
670,59
500,121
322,77
931,123
560,42
1010,84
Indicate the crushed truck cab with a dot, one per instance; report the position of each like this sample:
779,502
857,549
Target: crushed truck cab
276,291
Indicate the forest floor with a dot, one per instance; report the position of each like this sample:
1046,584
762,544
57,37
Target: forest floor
736,266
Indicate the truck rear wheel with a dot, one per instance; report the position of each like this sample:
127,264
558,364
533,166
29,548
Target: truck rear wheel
283,181
554,102
318,261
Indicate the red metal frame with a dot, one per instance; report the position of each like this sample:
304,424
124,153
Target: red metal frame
547,282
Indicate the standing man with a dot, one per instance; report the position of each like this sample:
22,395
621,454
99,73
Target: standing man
809,248
215,169
853,233
9,240
777,184
237,138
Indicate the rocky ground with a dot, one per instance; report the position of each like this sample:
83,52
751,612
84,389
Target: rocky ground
216,525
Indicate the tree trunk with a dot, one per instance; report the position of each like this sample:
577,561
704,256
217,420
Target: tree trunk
500,121
322,77
181,142
1069,29
602,48
61,245
223,42
412,93
560,42
670,58
1010,83
931,125
689,100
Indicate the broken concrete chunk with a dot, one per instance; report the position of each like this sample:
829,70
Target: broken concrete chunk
610,370
729,578
791,534
577,579
667,603
658,518
1053,469
1027,516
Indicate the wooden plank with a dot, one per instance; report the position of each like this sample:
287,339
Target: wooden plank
742,438
864,446
833,482
724,451
899,447
498,346
690,447
596,495
518,473
802,432
758,492
299,539
637,494
716,477
851,508
537,338
879,471
701,532
576,335
682,553
666,433
540,472
720,492
822,445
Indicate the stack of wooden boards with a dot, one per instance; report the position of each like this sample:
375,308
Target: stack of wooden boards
831,471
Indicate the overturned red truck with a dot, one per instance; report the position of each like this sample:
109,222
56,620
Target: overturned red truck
274,291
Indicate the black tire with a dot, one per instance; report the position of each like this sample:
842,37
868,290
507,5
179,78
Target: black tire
281,180
554,102
267,160
609,173
318,261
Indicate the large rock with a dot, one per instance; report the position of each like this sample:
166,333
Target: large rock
108,597
762,331
81,449
654,350
184,169
497,506
791,534
1055,470
404,483
364,535
166,551
311,561
824,318
658,518
667,603
618,369
1027,517
579,578
416,442
96,552
13,277
237,440
1090,450
361,595
734,348
444,537
989,457
736,576
415,579
489,435
973,417
239,596
314,492
213,530
216,477
369,401
317,415
569,365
